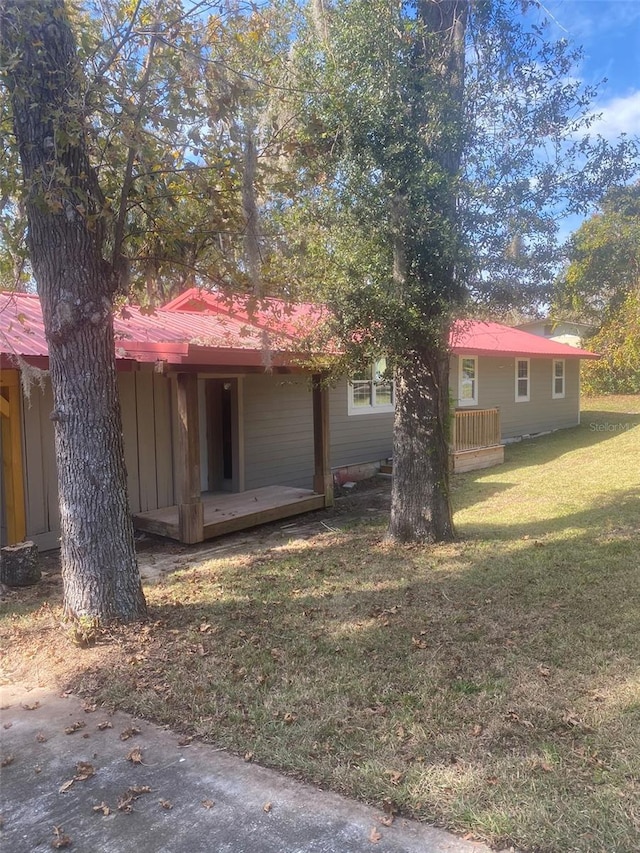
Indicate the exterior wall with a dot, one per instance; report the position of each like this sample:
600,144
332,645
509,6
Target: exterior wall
278,431
146,425
41,478
496,388
357,439
146,402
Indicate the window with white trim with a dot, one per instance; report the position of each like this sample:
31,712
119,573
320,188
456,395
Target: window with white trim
523,380
468,381
371,391
558,378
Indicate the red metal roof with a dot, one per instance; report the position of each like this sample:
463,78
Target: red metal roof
200,328
473,337
175,337
296,320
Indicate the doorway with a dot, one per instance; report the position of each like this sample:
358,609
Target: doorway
221,400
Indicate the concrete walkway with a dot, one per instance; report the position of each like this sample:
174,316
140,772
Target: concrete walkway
147,793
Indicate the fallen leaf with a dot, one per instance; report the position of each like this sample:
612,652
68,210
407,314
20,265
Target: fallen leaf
135,755
105,724
89,709
419,643
32,707
84,771
130,732
290,718
208,804
6,760
543,670
74,727
185,740
104,808
374,835
387,820
66,786
60,840
248,756
41,738
266,808
396,776
204,627
166,804
125,802
7,725
477,730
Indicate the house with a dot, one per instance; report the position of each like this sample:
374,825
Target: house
224,384
562,331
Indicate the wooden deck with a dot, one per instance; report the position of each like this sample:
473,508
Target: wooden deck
226,512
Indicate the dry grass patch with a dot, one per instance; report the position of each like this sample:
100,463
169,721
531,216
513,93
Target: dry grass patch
491,686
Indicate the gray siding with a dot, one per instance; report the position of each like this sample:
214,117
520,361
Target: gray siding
496,388
145,399
146,425
278,431
41,484
356,439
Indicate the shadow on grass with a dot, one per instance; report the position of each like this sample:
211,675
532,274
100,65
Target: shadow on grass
494,689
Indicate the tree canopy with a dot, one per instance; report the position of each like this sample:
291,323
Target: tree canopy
602,284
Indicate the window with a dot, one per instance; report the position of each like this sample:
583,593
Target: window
468,381
522,380
557,389
370,391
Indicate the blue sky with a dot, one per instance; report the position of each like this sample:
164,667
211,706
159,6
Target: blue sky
609,32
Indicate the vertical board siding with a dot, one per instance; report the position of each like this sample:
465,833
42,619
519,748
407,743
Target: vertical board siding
357,439
146,443
147,415
278,431
127,390
163,441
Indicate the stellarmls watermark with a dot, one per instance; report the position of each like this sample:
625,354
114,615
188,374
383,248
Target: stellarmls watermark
610,427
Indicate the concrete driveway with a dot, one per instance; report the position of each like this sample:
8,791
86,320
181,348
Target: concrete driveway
79,778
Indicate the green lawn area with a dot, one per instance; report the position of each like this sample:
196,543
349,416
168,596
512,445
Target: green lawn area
491,686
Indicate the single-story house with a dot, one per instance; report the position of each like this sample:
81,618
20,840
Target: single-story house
214,381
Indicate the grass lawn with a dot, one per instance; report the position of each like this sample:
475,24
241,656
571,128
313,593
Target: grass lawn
491,686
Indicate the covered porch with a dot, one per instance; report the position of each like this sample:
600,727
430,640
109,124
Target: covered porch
206,507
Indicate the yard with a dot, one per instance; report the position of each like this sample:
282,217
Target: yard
491,686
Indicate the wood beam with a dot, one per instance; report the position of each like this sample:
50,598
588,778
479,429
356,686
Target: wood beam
322,479
12,468
188,487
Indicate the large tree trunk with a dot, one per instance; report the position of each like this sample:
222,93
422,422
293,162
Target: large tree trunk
420,505
65,215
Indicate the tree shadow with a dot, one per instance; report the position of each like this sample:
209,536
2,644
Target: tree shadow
347,661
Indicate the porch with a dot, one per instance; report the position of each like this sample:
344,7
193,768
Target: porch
475,441
226,512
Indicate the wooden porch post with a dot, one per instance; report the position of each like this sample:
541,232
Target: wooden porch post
12,470
322,479
190,511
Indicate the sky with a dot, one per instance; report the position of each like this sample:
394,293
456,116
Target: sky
609,32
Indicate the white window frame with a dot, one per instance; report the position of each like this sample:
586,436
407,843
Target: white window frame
558,395
473,400
523,398
374,408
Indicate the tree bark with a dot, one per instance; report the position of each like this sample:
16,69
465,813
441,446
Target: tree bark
65,213
420,505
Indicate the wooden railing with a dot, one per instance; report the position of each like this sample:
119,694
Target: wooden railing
476,428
